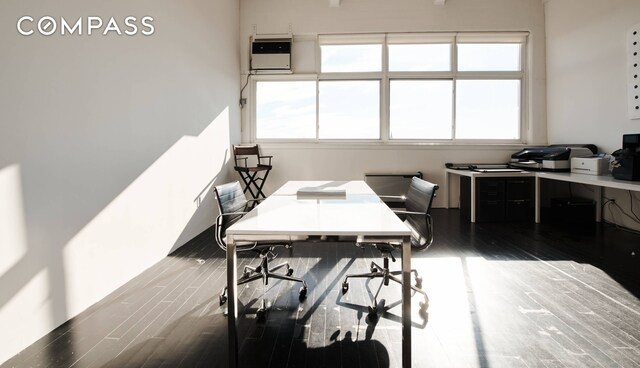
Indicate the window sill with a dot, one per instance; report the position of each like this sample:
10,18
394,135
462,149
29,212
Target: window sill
351,145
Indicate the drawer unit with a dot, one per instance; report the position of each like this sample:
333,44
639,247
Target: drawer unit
499,199
519,188
490,189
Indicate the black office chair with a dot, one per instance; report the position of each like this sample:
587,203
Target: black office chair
232,205
418,218
253,168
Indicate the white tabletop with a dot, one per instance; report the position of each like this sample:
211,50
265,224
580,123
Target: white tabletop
360,213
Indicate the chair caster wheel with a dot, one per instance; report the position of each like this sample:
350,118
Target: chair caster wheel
245,275
290,272
345,287
261,315
423,314
223,299
424,306
419,282
374,269
373,313
303,293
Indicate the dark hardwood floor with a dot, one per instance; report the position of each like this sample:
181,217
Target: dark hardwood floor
502,295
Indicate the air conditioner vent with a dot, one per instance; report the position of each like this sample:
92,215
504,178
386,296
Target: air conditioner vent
271,54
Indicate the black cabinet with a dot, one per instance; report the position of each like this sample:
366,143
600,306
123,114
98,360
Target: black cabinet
499,199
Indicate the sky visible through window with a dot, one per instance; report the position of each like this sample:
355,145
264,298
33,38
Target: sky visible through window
286,109
416,57
487,109
421,109
351,58
349,109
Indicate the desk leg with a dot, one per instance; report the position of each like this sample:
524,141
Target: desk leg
473,199
447,181
232,302
537,199
597,194
406,302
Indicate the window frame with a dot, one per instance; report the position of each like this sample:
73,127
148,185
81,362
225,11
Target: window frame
385,77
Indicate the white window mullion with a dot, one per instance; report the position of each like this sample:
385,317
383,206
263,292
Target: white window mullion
454,70
317,110
384,94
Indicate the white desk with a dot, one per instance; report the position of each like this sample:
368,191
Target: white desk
282,215
475,174
598,181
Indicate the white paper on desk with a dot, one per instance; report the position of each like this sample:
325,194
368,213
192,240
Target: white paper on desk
321,193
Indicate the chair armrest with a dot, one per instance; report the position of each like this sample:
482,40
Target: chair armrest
252,203
401,198
409,212
241,158
232,214
267,157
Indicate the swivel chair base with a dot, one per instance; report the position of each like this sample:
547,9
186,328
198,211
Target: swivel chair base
265,273
387,275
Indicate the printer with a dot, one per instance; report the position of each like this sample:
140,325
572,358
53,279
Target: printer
556,157
590,165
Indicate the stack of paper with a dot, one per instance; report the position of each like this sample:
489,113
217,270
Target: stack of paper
321,193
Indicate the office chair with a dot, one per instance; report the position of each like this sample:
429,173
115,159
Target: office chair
232,205
253,168
418,218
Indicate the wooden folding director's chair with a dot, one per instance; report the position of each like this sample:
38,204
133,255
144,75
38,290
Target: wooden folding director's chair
253,168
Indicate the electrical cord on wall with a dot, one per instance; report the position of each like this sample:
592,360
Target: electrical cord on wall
243,101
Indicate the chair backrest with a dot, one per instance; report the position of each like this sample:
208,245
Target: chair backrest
231,199
249,154
246,150
419,199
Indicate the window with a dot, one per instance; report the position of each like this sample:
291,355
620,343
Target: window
349,109
285,109
350,58
401,87
421,109
487,109
489,57
420,58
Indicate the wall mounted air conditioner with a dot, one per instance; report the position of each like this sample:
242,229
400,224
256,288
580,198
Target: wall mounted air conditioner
271,54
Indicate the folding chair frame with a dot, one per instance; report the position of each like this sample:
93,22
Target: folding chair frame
250,175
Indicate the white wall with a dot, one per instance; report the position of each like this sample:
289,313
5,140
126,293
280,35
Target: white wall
587,71
108,149
587,78
307,18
